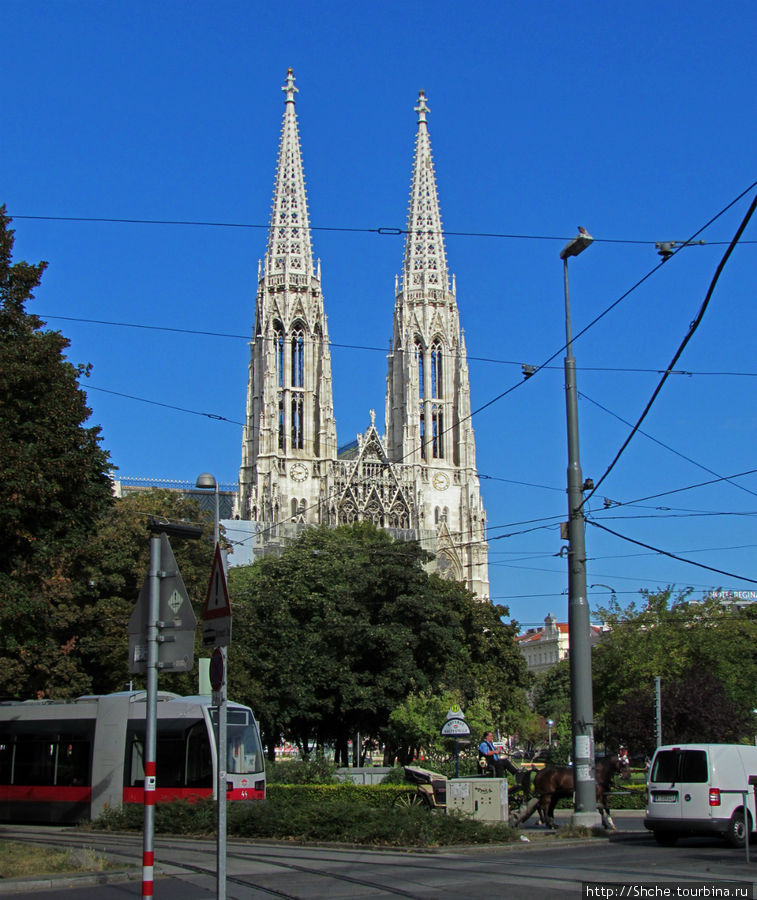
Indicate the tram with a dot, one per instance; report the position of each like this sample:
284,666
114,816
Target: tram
65,761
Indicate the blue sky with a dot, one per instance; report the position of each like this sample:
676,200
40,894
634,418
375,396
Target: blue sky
636,121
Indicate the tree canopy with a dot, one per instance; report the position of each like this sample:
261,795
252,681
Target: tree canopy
336,633
53,487
704,655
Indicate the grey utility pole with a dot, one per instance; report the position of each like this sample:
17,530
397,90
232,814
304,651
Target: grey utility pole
206,481
581,700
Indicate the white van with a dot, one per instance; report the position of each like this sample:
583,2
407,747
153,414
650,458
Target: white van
689,791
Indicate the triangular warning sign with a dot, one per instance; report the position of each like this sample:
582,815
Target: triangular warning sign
217,604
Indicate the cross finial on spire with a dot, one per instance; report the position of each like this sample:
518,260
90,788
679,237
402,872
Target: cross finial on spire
289,87
422,108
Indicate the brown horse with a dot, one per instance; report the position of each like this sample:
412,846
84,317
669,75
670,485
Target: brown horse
553,783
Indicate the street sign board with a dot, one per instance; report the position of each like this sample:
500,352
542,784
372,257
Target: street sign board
216,615
455,727
176,621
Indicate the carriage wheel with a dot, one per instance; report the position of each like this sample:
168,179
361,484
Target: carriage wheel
405,801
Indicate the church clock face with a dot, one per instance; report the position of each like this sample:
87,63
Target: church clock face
441,481
298,472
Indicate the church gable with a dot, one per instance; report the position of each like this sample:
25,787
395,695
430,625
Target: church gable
371,490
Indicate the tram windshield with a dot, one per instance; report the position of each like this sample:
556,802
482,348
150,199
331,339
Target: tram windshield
244,753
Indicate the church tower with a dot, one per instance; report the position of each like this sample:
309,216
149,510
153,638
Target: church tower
290,436
428,393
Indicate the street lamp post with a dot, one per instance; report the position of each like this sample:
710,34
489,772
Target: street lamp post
581,700
206,481
550,723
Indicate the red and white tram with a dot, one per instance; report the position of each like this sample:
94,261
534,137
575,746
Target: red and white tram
68,761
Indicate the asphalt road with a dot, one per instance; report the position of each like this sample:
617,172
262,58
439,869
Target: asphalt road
542,869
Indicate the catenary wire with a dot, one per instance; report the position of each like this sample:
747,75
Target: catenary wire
595,320
668,447
691,562
689,334
384,230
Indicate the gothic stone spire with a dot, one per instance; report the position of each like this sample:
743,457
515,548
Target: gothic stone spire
290,429
425,260
289,248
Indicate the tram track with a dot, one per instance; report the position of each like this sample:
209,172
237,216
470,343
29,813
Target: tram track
255,869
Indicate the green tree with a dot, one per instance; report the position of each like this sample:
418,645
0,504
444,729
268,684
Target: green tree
346,623
704,655
551,694
118,557
53,487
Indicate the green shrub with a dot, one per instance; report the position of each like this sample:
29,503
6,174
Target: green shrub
311,771
354,814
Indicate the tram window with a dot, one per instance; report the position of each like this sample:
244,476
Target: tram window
199,763
6,761
35,760
179,757
134,770
244,754
73,761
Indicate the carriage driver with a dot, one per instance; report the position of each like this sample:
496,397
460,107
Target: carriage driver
499,764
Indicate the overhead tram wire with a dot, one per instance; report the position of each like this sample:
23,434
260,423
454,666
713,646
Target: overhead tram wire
563,347
383,230
339,346
691,562
673,450
690,333
332,345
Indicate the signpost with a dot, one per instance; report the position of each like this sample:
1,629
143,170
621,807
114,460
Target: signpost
456,727
161,635
216,632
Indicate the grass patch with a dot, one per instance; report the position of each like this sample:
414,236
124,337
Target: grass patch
26,860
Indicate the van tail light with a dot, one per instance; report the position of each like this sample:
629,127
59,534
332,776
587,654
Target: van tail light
714,797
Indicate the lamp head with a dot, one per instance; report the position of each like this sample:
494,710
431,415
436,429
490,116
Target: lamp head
206,480
577,245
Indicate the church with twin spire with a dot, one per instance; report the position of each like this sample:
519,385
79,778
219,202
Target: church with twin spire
418,478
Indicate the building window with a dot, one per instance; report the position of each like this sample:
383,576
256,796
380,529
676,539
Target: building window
419,361
297,422
298,359
281,422
437,433
423,434
278,347
436,369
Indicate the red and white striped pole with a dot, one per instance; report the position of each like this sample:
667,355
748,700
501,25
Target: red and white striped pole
151,718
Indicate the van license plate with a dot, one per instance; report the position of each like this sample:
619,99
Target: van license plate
665,796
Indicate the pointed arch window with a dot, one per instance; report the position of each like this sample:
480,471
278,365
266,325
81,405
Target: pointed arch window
437,432
298,424
436,370
278,349
298,358
420,363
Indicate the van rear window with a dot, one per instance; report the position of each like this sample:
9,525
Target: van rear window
672,766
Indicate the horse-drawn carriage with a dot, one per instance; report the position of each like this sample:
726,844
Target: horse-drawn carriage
554,783
550,785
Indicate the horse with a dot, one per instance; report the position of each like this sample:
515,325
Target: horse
553,783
